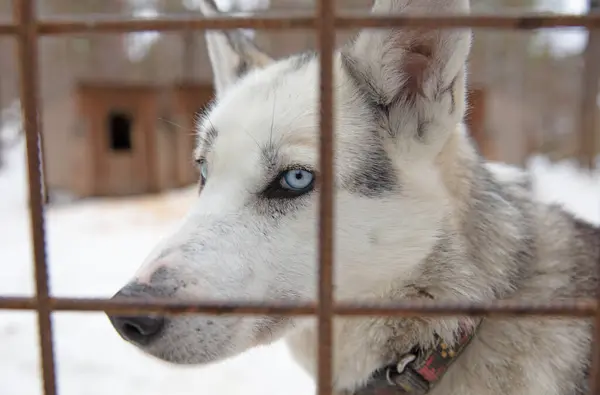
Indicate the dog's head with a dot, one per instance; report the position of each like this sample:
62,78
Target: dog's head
252,232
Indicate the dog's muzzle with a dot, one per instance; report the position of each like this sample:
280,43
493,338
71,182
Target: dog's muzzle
138,329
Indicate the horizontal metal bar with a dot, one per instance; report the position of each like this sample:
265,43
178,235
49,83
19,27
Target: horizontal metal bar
17,303
520,21
582,307
166,24
7,28
526,21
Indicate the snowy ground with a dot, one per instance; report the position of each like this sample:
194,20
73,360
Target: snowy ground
94,246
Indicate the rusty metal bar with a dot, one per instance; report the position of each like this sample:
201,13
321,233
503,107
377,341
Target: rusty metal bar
17,303
7,28
326,43
532,21
168,24
582,307
588,121
588,144
591,131
25,14
524,21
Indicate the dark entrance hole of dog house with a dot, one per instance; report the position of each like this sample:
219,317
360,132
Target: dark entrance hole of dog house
119,127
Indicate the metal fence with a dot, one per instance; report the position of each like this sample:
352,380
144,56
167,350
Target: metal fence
27,28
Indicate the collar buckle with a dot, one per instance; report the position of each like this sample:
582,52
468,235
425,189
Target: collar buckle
405,378
416,373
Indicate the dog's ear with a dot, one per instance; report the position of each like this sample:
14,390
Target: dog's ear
415,76
232,53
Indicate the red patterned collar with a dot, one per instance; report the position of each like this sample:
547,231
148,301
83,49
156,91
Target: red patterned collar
417,373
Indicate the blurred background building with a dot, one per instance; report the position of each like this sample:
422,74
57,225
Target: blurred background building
118,109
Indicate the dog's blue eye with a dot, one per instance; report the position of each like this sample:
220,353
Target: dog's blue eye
290,184
297,179
203,170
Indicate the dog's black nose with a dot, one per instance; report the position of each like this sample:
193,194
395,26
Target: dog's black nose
138,329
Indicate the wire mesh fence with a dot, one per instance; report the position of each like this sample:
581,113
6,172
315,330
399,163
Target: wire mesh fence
28,28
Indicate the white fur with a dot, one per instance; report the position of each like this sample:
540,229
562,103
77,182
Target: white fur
379,242
236,246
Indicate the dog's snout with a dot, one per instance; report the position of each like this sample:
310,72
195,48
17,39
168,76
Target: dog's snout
138,329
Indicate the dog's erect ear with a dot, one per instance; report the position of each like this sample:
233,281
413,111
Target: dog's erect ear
232,53
415,76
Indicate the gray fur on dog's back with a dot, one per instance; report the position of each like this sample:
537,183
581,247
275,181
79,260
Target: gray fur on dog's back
518,249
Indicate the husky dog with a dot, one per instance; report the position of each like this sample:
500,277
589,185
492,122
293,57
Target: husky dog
419,215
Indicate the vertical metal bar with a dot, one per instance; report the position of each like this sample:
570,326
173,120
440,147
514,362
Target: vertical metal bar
588,141
24,12
588,145
326,28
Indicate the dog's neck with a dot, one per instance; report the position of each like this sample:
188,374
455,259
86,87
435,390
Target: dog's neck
420,371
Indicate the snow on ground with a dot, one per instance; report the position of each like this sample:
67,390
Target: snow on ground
95,246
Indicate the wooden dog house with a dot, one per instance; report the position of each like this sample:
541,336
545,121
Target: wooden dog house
135,139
